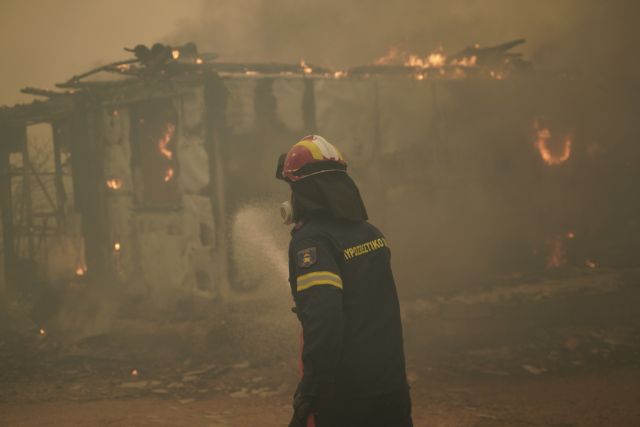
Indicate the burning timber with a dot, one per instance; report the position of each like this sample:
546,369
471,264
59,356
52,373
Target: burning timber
158,168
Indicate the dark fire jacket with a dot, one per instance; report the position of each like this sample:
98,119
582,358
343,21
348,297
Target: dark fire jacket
346,300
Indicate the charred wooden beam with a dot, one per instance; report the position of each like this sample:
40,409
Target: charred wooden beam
37,111
60,134
265,68
6,206
106,67
41,92
88,182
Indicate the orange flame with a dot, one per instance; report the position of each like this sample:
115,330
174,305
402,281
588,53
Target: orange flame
165,140
114,183
42,332
175,54
116,247
392,56
435,59
305,68
81,270
169,175
469,61
543,138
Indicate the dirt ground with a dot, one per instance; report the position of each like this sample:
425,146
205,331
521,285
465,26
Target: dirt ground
609,398
563,351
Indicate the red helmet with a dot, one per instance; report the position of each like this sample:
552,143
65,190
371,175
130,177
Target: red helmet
310,156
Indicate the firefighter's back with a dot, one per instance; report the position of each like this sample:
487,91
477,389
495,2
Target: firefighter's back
372,360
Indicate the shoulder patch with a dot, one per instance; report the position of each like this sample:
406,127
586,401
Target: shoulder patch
307,257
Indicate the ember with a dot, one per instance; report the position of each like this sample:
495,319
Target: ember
81,271
123,67
557,253
590,263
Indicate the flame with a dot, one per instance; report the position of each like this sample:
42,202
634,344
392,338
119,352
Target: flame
305,68
42,332
175,53
590,263
165,140
169,175
458,73
116,246
419,76
81,270
199,61
498,75
392,56
558,253
571,235
446,67
134,373
339,74
251,73
469,61
114,183
433,60
543,137
123,67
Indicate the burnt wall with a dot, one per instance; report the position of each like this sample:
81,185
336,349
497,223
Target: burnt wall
453,170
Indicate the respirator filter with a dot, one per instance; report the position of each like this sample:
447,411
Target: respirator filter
286,212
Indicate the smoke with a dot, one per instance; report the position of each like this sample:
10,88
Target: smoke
576,33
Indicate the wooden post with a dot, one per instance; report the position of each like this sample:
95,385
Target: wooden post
7,211
215,99
12,139
27,220
59,134
89,185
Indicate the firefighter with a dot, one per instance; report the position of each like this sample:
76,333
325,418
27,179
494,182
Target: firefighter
345,298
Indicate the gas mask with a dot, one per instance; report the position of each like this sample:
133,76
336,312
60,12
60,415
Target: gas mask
286,212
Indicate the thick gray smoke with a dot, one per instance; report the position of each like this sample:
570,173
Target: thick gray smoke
588,38
574,33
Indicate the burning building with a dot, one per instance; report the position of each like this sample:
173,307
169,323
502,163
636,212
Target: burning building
469,161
